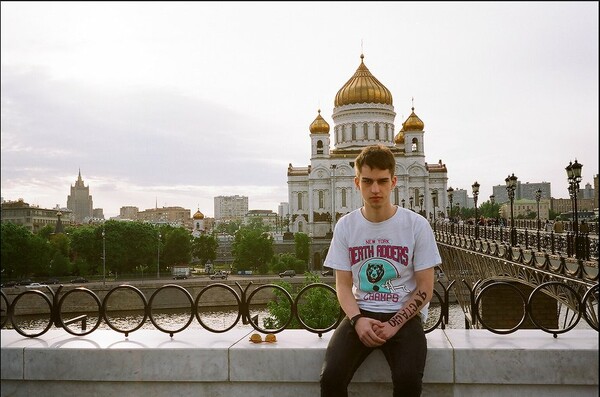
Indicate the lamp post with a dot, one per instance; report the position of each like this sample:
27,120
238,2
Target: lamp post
103,257
450,192
574,177
538,196
403,202
410,200
511,185
493,201
475,187
434,195
421,197
158,257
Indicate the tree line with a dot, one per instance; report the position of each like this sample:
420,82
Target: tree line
117,248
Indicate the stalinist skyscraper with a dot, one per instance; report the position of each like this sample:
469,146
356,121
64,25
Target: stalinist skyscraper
80,201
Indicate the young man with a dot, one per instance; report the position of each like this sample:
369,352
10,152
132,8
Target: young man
384,258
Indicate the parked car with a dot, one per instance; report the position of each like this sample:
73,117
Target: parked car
287,273
35,285
327,272
52,281
179,277
79,280
26,281
219,274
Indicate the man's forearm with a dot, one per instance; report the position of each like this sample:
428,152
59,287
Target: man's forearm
417,301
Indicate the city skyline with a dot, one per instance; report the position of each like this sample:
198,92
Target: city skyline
176,104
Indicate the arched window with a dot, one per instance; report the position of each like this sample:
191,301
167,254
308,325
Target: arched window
341,136
321,199
387,132
319,147
354,130
396,196
366,130
415,144
377,131
299,201
344,198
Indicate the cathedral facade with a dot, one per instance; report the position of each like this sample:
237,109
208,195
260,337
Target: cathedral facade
363,114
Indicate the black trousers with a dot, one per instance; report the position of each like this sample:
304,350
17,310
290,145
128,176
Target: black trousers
405,353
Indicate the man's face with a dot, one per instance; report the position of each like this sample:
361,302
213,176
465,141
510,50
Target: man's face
375,186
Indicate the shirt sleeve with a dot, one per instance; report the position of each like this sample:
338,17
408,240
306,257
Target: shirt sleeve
426,253
338,257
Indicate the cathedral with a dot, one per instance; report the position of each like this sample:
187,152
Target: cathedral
363,114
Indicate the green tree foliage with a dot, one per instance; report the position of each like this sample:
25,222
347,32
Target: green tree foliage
204,248
489,210
177,248
318,307
285,261
228,227
15,248
302,246
252,248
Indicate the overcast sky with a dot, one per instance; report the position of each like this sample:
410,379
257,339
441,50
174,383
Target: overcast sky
174,103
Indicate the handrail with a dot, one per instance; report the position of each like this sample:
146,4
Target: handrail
244,302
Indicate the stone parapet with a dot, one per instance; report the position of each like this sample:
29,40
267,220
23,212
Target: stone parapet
198,362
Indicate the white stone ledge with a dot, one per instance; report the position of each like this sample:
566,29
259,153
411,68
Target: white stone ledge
198,362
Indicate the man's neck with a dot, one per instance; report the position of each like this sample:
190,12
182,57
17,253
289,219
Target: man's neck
376,215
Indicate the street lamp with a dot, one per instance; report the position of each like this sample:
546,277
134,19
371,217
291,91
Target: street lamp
511,185
410,200
158,257
538,196
421,197
574,177
403,202
493,201
450,192
434,196
475,187
103,257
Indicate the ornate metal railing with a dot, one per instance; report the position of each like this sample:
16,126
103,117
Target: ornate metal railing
489,261
80,311
528,239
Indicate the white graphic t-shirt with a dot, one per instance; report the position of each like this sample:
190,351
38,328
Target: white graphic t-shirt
383,257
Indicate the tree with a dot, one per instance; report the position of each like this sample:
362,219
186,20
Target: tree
302,247
177,248
285,261
252,248
318,307
15,248
204,248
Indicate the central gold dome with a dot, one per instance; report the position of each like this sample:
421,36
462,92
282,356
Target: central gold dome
363,87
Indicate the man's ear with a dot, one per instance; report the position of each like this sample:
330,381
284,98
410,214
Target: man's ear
394,181
357,182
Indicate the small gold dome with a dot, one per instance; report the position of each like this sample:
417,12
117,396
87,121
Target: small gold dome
399,138
198,215
319,125
363,87
413,123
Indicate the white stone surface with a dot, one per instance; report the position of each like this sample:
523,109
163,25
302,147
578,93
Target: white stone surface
525,357
200,363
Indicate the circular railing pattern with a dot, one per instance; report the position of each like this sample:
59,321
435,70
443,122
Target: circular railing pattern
586,307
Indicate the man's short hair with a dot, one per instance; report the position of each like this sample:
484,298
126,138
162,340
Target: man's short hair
376,156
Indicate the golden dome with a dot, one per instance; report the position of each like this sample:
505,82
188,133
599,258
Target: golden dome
319,126
363,87
198,215
413,122
399,138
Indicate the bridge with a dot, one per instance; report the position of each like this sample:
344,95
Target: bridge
552,289
538,268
